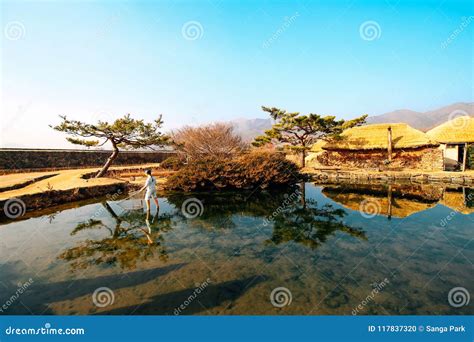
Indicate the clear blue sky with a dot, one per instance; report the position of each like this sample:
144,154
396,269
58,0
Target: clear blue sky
107,58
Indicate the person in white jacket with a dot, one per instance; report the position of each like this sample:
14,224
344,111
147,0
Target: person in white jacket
150,186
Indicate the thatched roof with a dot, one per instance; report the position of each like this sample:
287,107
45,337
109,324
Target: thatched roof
456,201
397,200
318,146
458,130
400,207
371,137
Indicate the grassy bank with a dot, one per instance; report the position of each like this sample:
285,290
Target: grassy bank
41,190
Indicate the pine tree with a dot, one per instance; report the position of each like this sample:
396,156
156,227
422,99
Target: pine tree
299,132
125,133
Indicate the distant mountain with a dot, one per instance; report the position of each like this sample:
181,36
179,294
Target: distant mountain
250,128
425,120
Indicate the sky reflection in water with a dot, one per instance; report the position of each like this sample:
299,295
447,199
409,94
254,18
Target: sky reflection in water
330,251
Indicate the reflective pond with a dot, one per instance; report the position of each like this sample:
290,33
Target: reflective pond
322,249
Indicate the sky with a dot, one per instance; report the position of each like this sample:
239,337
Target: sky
203,61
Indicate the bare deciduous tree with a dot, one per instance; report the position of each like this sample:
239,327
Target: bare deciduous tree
216,140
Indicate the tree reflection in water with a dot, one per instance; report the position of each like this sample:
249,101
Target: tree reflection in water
136,237
307,224
301,221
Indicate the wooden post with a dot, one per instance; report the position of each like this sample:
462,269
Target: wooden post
390,199
389,145
444,157
464,158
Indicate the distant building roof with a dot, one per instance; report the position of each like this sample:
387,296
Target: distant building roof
318,146
371,137
401,207
458,130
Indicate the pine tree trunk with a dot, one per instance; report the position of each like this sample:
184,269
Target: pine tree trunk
303,156
108,163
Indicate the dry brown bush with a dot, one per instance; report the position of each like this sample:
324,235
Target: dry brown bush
216,140
172,163
246,171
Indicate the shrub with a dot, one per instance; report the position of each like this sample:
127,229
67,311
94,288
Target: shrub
172,163
218,141
247,171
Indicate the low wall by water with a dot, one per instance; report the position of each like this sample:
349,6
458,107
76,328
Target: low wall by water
424,158
446,178
31,159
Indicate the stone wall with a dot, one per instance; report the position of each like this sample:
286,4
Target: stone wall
31,159
426,158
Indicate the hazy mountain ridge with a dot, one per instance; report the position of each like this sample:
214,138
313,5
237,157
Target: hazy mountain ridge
425,120
250,128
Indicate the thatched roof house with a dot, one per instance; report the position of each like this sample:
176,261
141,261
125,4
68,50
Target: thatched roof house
394,145
458,130
401,208
371,137
400,203
455,137
399,200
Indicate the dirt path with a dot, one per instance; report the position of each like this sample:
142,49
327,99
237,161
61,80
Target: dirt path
58,180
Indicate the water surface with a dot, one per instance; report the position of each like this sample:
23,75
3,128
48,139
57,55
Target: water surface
329,251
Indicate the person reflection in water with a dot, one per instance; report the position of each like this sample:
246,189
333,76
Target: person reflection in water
147,231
